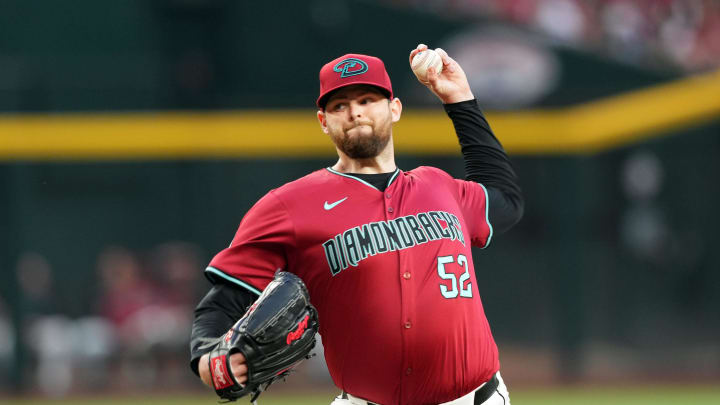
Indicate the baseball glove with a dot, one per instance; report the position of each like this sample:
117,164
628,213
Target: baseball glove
276,333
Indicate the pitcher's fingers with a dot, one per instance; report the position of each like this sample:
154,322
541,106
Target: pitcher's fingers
239,372
238,367
443,55
412,55
419,48
448,62
431,77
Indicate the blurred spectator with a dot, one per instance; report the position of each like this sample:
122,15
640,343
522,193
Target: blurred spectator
125,290
148,308
156,311
682,33
177,267
625,27
562,19
45,331
34,276
7,343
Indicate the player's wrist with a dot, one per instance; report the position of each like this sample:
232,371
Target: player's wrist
457,97
204,370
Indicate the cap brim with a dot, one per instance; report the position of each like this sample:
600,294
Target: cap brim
322,100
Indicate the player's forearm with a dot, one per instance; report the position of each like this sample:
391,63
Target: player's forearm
485,158
215,314
487,163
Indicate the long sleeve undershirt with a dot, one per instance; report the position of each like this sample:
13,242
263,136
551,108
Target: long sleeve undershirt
485,162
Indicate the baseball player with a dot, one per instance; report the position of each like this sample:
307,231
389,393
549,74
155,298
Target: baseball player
385,253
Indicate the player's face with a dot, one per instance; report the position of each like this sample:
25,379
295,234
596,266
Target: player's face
359,120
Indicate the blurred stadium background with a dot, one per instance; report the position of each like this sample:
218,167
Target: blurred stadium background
135,134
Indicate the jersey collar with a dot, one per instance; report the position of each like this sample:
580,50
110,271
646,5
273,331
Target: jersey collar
390,181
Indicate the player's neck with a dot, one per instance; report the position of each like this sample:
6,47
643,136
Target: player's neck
382,163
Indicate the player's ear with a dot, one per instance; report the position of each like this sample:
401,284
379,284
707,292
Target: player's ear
323,122
395,109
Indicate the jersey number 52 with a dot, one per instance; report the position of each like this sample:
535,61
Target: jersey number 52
463,282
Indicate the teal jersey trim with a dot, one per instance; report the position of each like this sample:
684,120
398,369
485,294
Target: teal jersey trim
392,178
487,216
233,280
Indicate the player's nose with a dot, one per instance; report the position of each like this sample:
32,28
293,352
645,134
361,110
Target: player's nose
356,110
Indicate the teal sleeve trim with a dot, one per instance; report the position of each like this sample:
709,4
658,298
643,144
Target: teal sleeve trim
219,273
487,216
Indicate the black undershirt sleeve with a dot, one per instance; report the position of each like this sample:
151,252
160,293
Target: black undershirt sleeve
214,315
487,163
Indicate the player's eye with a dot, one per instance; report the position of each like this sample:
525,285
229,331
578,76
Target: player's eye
338,106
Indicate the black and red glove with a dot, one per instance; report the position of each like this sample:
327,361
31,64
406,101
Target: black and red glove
276,333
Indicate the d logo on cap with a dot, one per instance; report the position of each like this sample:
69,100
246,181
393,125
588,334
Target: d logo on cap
350,67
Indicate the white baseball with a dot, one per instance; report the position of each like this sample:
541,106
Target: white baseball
423,61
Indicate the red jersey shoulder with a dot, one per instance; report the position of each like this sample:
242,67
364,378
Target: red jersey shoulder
307,184
429,172
439,176
434,177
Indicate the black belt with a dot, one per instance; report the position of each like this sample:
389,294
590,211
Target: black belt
487,390
481,395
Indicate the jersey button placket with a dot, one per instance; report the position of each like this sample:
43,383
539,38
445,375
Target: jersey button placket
388,207
405,288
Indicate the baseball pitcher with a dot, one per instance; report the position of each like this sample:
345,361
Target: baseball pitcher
382,257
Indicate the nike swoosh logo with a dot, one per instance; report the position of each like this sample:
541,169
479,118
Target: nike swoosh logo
328,207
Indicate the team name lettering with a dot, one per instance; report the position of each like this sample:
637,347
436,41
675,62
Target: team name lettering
356,244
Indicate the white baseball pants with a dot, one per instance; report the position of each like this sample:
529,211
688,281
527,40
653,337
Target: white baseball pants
500,397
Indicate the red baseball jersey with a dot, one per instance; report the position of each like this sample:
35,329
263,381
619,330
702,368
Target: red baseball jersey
390,273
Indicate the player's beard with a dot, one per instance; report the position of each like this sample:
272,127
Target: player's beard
363,139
